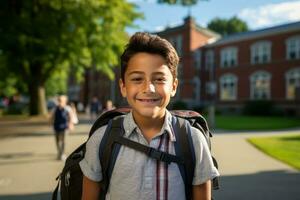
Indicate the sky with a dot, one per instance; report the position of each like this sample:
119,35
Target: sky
256,13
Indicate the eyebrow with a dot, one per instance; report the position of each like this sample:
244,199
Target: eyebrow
140,72
135,72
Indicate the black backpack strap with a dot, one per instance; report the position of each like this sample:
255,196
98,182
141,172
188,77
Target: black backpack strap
55,192
185,149
110,147
149,151
109,151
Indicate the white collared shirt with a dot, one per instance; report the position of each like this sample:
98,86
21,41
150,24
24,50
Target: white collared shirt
134,174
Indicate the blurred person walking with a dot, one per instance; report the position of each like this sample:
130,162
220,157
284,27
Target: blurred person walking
95,108
108,106
61,119
74,115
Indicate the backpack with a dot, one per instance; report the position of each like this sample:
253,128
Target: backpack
70,179
61,118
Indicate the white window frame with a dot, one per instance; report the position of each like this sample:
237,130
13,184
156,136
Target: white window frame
261,52
291,88
293,47
228,79
261,76
209,59
229,57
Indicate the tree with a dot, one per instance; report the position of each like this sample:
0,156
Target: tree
40,39
227,26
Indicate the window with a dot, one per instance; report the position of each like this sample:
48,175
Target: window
197,88
229,57
197,59
180,71
292,78
177,43
209,59
261,52
260,85
228,87
293,47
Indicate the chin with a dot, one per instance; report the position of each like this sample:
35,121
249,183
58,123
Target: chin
150,112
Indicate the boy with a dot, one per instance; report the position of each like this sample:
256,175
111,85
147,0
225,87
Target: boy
61,119
148,81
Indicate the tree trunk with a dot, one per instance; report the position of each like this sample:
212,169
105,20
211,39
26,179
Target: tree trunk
37,104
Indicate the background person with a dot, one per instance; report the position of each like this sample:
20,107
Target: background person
61,119
95,108
108,106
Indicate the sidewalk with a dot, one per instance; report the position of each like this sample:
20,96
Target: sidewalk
28,165
248,174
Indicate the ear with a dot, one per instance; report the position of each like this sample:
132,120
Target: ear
174,87
122,88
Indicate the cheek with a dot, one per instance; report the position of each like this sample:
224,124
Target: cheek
166,90
131,91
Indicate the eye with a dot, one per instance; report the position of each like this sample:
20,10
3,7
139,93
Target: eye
136,79
159,80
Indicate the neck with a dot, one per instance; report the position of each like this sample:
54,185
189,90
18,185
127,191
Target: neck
149,126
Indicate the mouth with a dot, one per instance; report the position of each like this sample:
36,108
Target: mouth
148,100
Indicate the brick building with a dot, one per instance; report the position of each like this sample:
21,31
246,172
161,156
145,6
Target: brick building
257,65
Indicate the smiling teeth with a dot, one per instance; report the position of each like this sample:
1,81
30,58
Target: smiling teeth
148,100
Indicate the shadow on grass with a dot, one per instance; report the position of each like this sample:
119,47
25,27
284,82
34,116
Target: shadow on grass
271,185
291,138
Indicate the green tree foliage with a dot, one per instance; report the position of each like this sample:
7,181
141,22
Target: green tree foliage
57,83
41,39
227,26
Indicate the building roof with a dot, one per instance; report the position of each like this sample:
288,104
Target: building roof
203,30
285,28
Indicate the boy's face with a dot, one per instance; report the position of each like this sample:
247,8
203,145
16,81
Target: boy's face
148,85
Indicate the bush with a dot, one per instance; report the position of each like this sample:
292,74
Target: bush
259,108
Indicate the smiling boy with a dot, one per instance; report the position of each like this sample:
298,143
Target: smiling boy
148,81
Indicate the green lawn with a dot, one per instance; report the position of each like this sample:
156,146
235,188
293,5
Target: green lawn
284,148
255,123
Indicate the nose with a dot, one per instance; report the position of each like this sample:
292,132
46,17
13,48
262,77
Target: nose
149,87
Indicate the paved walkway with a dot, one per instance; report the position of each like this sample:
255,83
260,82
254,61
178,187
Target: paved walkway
28,166
248,174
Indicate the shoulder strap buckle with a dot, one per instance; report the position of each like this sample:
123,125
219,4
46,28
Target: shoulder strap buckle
158,155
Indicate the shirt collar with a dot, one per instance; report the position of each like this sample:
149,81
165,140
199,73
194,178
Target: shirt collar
130,126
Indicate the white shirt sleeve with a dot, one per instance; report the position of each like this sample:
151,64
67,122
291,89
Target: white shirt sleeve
90,164
204,169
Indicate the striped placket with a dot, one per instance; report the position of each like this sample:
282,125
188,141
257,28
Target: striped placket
162,170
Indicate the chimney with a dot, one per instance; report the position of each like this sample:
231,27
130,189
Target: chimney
189,21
